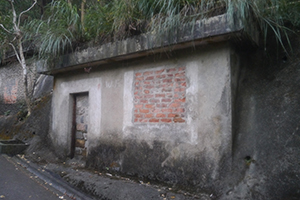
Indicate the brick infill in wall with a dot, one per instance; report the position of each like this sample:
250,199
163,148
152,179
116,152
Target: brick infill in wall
159,96
10,92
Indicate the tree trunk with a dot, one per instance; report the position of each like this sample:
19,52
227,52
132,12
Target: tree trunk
20,54
25,77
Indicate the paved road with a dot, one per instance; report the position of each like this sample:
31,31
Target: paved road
17,183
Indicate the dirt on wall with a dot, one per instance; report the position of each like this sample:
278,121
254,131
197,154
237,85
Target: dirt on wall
154,164
266,143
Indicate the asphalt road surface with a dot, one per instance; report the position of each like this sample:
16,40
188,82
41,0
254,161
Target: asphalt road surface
16,183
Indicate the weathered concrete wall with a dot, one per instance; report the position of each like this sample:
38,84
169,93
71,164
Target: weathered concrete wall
162,118
12,97
266,142
11,88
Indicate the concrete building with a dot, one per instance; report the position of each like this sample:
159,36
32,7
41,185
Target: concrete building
159,108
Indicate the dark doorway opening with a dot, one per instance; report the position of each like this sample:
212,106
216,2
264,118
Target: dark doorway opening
80,122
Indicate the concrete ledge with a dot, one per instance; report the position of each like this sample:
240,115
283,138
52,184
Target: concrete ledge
12,147
215,29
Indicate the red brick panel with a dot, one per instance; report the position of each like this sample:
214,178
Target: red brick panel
159,96
10,92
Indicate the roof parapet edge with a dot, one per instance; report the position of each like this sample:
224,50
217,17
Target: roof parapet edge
219,28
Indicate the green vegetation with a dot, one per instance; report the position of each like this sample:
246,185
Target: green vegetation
6,113
59,26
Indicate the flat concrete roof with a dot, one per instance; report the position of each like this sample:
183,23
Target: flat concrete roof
212,30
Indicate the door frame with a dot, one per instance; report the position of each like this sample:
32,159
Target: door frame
73,121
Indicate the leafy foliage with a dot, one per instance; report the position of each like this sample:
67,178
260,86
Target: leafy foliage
123,18
59,28
55,34
274,15
98,21
6,18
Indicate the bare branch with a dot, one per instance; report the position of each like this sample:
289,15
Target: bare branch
5,29
13,39
25,11
14,15
17,55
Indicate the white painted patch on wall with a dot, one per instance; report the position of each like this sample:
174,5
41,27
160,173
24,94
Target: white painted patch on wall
192,100
128,100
